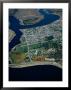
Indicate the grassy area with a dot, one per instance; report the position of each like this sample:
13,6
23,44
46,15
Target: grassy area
39,45
21,49
35,46
29,21
18,57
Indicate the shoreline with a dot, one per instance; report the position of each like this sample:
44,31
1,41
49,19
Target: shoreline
23,65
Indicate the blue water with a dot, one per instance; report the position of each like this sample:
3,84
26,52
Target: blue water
15,26
33,73
36,73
